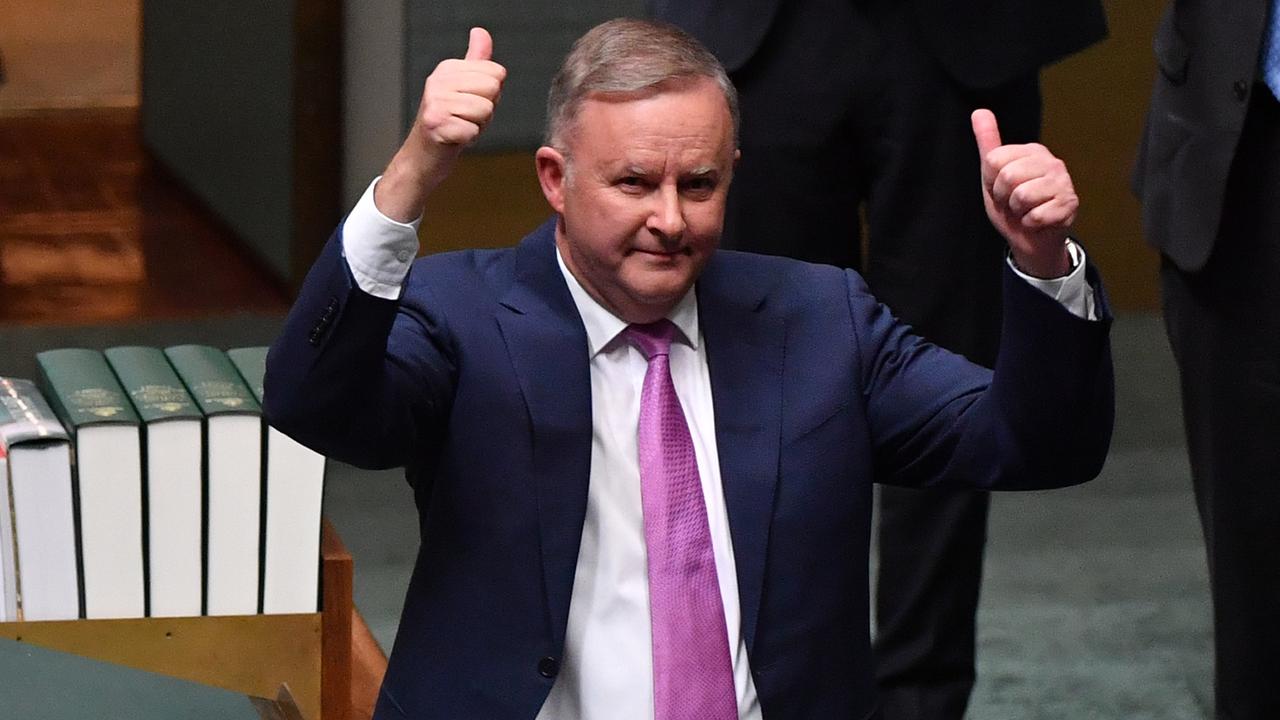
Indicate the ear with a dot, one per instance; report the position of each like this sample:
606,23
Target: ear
552,170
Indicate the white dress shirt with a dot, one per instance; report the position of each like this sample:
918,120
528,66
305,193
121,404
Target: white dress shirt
607,669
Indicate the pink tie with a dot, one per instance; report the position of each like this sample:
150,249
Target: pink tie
692,671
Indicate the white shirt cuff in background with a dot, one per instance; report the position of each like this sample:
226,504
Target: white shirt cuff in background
379,250
1072,290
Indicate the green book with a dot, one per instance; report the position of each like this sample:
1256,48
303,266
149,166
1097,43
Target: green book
172,472
232,476
293,482
107,454
37,529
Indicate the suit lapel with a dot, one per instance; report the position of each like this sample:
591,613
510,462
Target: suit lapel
745,356
548,348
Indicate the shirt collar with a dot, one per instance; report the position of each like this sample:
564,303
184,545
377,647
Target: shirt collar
603,327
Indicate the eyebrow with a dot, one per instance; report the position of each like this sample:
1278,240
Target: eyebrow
700,171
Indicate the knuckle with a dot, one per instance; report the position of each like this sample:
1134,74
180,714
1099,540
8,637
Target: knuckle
434,117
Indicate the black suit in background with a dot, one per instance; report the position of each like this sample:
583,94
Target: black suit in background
1208,175
847,102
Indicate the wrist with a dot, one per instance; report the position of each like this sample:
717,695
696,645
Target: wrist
1046,265
409,179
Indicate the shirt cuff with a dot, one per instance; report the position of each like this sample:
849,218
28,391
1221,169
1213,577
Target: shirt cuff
379,250
1072,290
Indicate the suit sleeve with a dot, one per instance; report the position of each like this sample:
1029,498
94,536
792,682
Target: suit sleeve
1042,418
356,377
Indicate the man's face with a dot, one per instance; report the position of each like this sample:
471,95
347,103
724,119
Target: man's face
641,194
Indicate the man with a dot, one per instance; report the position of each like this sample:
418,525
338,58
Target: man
885,89
1208,175
643,467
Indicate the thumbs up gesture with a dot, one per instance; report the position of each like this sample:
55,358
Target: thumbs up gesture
459,96
458,100
1029,198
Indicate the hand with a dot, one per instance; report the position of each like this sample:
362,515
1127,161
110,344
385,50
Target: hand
1029,199
458,99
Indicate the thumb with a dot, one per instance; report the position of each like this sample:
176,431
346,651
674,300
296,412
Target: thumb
480,45
985,131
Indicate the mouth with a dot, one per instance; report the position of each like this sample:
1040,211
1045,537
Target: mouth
661,254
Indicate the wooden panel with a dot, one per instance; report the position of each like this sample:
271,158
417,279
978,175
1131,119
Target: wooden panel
488,201
335,669
1094,108
251,654
317,142
68,54
368,667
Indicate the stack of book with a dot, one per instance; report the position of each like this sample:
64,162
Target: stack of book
142,481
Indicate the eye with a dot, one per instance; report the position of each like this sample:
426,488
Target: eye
631,183
700,186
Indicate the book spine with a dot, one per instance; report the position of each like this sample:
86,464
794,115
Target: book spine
156,391
82,388
107,478
292,492
40,507
172,478
212,380
25,414
251,363
233,477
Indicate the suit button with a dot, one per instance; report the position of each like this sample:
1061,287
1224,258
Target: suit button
548,667
1241,89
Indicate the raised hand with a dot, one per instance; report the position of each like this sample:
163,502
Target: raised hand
1029,198
458,100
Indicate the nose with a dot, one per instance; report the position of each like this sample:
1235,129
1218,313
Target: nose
666,217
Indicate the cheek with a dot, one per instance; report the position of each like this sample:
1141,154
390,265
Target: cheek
705,224
612,221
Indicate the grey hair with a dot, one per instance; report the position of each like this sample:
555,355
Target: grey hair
629,55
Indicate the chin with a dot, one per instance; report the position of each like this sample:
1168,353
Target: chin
662,289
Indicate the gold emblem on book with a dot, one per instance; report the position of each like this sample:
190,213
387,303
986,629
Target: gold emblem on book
97,400
165,397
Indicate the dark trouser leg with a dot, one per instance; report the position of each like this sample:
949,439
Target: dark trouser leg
936,261
1224,326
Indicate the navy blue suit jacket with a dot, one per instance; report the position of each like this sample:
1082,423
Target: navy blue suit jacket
477,381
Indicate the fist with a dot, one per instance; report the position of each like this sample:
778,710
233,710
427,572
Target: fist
459,96
1029,198
457,103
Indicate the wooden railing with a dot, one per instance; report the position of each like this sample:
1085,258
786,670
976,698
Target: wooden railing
311,666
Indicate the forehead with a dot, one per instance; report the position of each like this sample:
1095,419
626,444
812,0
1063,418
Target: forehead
684,117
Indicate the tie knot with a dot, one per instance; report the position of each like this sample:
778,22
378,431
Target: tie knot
651,338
